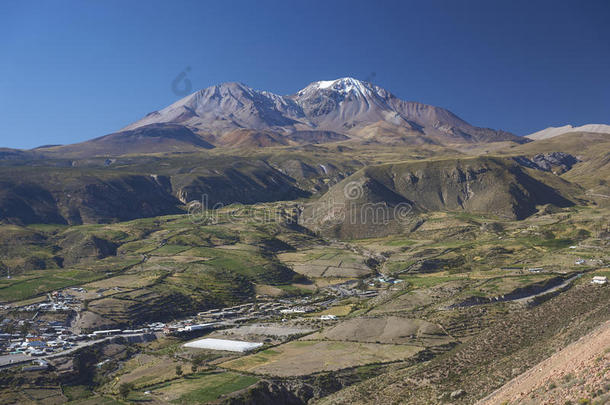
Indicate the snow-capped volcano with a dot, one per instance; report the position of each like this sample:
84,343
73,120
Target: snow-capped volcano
344,85
343,104
347,106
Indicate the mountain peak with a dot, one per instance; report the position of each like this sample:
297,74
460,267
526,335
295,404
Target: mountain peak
341,85
341,82
345,105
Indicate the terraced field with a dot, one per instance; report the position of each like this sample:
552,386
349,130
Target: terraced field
327,262
307,357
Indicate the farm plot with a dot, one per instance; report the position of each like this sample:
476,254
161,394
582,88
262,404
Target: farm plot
130,281
29,285
307,357
420,297
389,330
201,388
326,262
406,302
144,370
499,286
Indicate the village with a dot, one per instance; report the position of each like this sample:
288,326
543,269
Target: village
23,337
27,336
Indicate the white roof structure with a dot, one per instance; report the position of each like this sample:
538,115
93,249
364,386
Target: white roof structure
222,344
599,280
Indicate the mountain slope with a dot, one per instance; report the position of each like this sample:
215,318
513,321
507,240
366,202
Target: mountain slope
345,106
66,196
589,353
248,138
551,132
379,200
153,138
593,151
77,195
348,104
226,107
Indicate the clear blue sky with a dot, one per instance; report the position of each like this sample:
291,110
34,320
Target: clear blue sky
74,70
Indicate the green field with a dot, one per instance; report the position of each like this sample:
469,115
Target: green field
203,387
27,286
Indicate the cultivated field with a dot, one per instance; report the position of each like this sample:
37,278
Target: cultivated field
390,330
307,357
326,262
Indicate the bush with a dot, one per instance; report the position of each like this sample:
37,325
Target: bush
125,389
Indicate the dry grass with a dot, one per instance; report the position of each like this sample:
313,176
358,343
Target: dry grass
307,357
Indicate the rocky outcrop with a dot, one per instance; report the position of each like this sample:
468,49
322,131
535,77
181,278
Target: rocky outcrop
557,162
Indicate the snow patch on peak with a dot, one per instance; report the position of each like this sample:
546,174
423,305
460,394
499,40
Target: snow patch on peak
324,84
344,85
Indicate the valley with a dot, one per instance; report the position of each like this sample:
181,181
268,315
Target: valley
337,245
367,308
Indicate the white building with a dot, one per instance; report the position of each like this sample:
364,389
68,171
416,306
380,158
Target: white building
222,344
599,280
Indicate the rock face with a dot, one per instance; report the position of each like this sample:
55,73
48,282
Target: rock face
344,106
557,162
379,200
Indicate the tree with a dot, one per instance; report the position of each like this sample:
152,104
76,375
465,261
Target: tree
84,364
178,370
197,361
25,328
10,328
125,389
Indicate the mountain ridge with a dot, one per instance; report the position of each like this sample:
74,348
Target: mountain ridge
552,132
344,105
152,138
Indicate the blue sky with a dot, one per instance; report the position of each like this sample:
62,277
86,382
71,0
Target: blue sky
74,70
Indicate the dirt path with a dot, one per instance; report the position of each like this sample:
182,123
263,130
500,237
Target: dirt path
562,376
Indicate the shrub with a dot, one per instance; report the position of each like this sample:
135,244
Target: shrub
125,389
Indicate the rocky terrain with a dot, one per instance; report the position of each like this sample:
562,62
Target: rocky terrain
576,373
